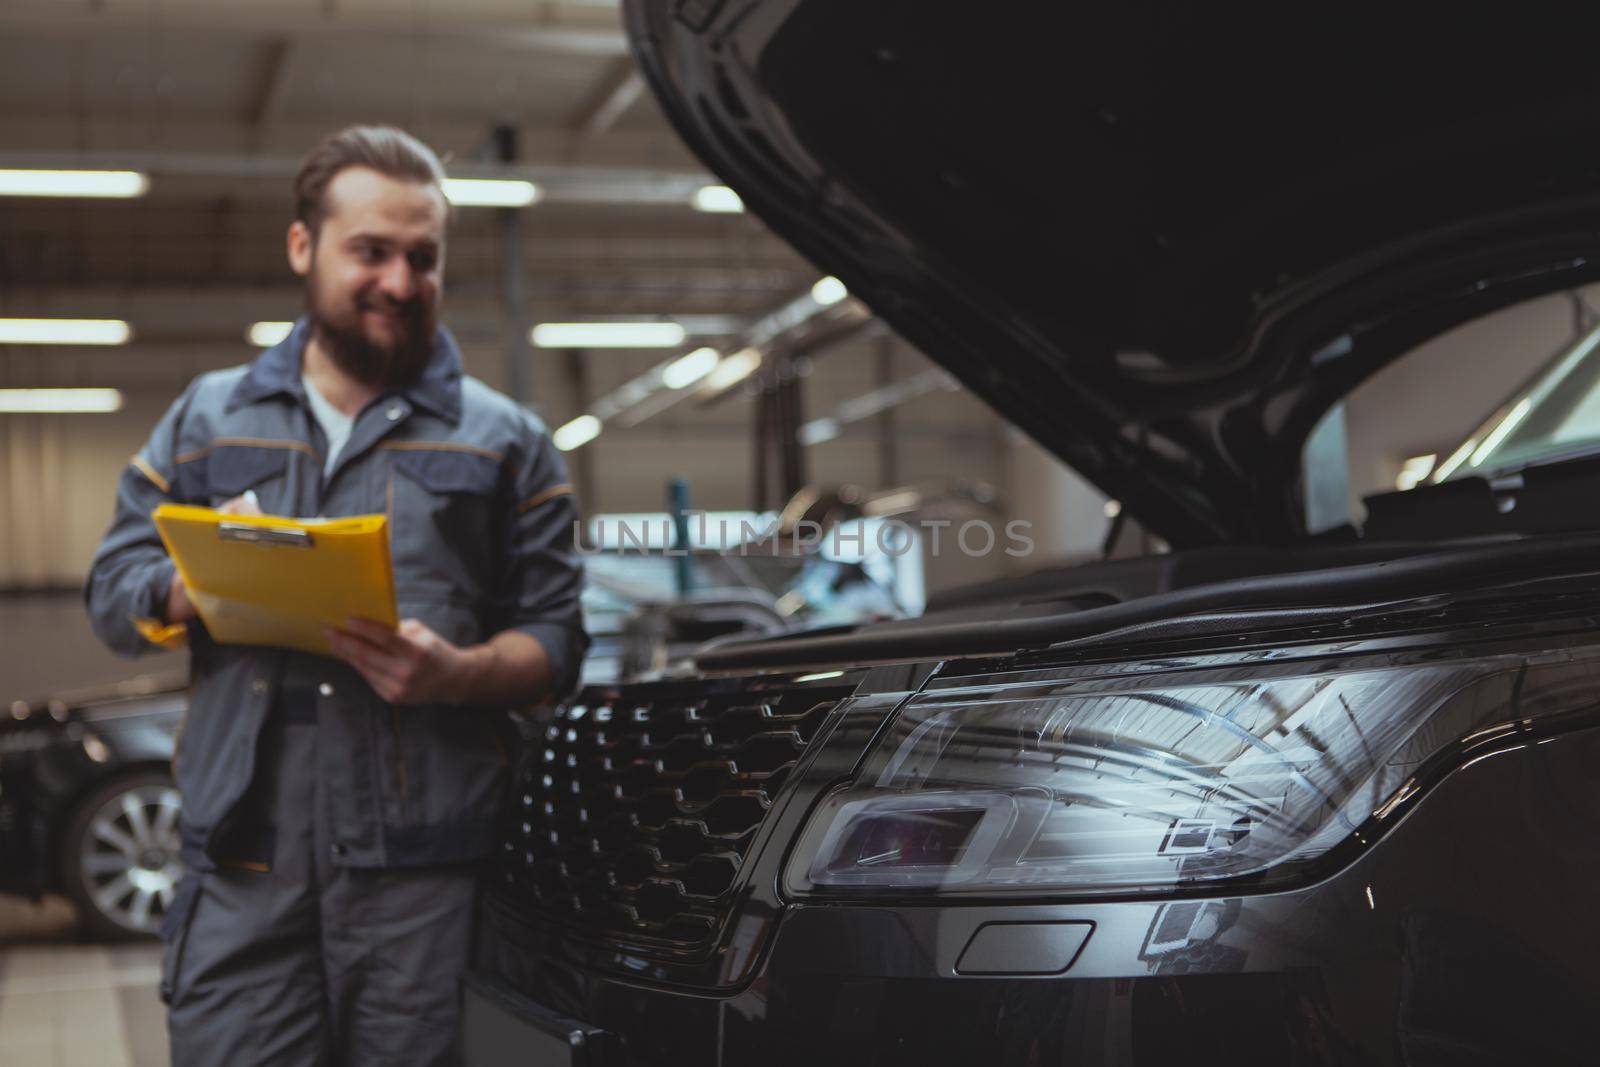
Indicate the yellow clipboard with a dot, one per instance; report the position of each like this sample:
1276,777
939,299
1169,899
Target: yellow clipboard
267,580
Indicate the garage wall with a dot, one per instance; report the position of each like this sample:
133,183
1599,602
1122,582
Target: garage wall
57,481
1431,399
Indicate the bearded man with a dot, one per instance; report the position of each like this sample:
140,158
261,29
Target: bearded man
336,810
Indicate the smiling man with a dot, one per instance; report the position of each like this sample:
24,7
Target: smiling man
335,810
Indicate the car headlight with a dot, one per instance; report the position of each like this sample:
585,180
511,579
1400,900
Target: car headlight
1139,784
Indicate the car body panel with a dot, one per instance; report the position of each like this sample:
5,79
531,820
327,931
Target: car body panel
1161,240
1429,944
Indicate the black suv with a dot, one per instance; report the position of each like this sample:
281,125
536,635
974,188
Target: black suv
1276,797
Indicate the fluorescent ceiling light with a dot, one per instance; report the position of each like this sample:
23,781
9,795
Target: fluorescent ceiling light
577,433
895,503
829,290
819,676
1457,458
717,198
59,401
1500,432
817,431
1414,470
267,334
490,192
734,369
686,370
113,184
630,393
64,332
608,335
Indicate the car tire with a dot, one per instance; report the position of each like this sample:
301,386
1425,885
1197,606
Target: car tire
119,856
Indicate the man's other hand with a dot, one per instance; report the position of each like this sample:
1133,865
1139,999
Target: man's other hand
409,665
179,608
243,504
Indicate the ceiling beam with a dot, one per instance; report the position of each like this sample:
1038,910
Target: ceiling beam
294,132
282,59
616,92
594,33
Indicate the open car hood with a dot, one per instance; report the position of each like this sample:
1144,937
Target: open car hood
1162,239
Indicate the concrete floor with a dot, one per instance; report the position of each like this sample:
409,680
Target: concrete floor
66,1003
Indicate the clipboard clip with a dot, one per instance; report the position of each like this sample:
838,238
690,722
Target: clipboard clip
264,535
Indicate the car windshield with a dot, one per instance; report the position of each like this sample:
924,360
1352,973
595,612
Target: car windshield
1555,414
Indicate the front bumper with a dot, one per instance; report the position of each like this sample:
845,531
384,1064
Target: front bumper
1463,936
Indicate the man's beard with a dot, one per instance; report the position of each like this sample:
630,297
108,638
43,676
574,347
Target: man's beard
340,332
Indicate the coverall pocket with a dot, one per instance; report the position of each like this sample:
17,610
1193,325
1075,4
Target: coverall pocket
455,765
175,931
231,469
226,469
445,513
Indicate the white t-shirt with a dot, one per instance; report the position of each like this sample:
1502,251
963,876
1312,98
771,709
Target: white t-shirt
335,424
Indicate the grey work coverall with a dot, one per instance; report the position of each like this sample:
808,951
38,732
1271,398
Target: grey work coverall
332,838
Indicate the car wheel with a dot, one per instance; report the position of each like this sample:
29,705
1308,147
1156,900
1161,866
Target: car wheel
119,857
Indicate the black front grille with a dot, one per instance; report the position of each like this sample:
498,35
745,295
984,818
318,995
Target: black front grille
637,806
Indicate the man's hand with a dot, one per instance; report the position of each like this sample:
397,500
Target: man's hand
243,504
179,608
414,665
411,665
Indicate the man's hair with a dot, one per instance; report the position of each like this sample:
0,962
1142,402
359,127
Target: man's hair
388,150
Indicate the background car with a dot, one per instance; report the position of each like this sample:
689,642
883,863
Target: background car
87,804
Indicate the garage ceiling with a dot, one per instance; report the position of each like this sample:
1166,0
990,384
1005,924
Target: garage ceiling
218,101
